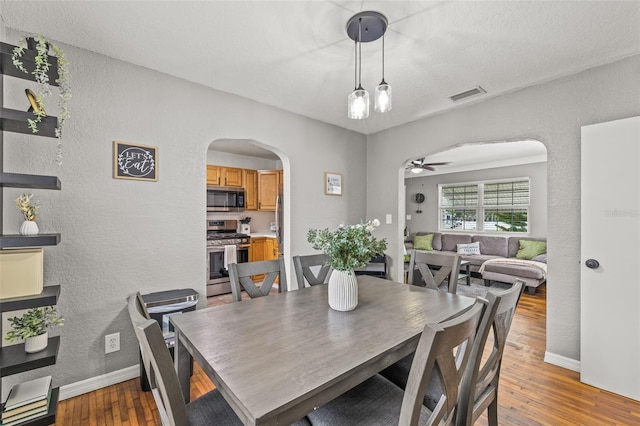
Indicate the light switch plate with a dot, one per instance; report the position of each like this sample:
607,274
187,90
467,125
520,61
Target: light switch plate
408,217
389,219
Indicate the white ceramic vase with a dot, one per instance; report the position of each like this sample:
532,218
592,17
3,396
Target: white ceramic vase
29,227
37,343
343,290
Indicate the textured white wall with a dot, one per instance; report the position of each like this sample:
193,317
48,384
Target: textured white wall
119,236
428,185
552,113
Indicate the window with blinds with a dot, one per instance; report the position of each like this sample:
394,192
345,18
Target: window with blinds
492,206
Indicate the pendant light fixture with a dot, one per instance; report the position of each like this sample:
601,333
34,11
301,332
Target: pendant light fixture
364,27
383,91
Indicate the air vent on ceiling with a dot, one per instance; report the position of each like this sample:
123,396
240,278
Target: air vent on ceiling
468,93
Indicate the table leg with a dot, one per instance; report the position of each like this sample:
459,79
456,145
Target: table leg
182,362
468,274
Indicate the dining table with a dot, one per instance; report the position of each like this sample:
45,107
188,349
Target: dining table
276,358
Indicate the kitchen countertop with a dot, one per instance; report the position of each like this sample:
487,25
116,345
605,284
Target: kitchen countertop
262,235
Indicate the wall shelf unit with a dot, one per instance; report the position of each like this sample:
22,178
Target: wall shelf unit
14,359
15,121
18,180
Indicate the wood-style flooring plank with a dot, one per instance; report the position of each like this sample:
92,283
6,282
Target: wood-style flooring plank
532,393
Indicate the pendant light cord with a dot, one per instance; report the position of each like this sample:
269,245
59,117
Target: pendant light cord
360,51
383,57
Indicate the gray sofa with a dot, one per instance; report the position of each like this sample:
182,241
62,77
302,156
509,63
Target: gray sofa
492,247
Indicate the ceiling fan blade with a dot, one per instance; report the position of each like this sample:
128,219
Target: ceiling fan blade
427,167
437,164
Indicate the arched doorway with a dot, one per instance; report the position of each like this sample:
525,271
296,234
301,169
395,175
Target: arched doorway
265,185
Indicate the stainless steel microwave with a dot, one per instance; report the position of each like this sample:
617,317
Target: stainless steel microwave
220,199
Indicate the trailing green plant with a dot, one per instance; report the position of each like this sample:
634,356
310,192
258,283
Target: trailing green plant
33,323
350,246
41,74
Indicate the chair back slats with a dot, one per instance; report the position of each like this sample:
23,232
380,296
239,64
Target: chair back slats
303,265
155,354
480,385
240,276
449,268
445,348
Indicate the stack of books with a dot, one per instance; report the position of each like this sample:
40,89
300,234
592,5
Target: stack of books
26,401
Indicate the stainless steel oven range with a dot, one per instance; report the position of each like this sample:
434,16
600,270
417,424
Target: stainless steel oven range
221,234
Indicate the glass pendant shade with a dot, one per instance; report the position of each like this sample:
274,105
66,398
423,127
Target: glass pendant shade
383,97
358,104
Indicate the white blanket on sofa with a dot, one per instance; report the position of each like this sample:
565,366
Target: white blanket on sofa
513,261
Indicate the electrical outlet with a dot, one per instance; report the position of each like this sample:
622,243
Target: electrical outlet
111,343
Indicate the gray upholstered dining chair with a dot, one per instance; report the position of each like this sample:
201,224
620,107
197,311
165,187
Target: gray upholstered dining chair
420,274
480,384
444,347
304,273
240,275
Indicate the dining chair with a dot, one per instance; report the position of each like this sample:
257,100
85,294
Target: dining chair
445,348
240,277
479,389
209,409
376,267
420,273
304,273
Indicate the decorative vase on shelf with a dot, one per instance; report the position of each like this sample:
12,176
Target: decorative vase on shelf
36,343
343,290
29,227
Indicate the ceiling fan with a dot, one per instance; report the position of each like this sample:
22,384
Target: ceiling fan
418,165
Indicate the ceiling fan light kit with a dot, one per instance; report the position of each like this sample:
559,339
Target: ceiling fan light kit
364,27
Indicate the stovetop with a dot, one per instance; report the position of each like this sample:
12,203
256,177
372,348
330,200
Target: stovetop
219,239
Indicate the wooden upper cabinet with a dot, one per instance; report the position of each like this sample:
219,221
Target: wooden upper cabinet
250,178
232,177
268,185
213,175
224,176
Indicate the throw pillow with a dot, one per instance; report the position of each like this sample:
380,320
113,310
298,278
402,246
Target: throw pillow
423,242
469,249
530,249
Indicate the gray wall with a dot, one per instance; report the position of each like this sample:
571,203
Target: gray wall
428,185
552,113
119,236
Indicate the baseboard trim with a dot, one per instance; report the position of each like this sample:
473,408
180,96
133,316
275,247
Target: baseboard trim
562,361
98,382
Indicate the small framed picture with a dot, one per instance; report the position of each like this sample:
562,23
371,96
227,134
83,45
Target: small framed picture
332,183
135,161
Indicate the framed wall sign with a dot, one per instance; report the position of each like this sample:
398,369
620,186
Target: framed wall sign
332,183
135,161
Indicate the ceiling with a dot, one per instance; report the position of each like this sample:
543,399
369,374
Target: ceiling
295,55
480,156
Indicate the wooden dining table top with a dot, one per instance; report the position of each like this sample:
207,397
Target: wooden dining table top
276,358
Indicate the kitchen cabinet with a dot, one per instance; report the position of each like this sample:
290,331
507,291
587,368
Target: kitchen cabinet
14,359
262,248
250,180
224,176
268,186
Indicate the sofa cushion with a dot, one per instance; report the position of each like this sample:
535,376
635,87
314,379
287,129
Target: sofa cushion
541,258
423,242
450,241
496,246
437,239
530,249
515,270
468,249
514,244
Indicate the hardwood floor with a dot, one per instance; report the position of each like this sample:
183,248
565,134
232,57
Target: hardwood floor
531,391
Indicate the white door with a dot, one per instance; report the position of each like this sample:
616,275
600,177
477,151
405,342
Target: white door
610,236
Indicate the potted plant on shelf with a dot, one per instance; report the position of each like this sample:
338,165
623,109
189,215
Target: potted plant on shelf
347,248
41,74
29,211
32,327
